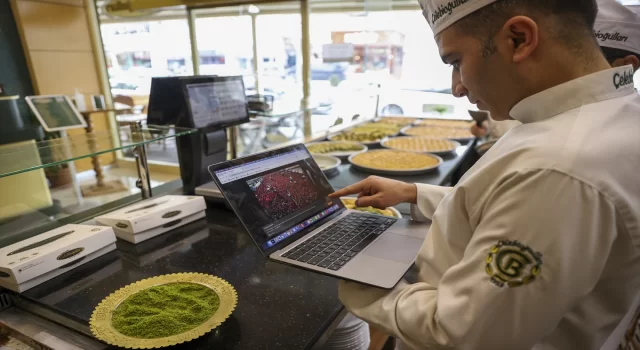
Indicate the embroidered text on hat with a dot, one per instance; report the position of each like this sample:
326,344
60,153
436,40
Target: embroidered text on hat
443,13
617,27
446,9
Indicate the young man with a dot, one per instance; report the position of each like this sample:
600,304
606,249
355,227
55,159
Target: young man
538,246
617,30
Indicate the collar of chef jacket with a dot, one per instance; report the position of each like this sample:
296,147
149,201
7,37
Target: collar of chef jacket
603,85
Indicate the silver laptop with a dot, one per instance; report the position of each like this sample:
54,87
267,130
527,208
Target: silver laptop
281,198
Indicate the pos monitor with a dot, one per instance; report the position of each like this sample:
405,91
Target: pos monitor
207,103
217,104
167,105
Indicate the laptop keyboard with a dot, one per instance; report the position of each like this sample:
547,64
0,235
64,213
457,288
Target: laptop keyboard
338,243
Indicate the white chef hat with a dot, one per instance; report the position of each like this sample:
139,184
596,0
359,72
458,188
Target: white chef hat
617,26
443,13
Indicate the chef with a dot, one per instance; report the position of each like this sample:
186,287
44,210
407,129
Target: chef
538,246
617,30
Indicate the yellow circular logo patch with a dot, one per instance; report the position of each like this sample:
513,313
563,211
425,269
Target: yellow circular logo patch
513,264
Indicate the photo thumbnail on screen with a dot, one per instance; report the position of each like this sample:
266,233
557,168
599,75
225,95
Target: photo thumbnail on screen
282,192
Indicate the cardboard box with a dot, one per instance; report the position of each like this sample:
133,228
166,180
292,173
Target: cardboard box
28,263
148,234
153,213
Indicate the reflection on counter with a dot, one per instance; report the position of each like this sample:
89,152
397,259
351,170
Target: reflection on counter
148,252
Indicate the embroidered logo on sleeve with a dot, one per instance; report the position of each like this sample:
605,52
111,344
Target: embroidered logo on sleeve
513,264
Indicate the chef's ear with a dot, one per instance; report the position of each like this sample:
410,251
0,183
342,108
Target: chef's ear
523,35
625,61
632,60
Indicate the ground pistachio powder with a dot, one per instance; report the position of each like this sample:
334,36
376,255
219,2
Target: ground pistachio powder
165,310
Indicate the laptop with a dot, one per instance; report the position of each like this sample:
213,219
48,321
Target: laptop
281,198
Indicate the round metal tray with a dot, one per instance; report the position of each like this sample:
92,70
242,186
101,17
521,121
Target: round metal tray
404,133
439,153
405,172
368,144
342,155
328,164
102,328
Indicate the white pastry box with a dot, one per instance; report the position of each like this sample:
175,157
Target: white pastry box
153,217
28,263
148,234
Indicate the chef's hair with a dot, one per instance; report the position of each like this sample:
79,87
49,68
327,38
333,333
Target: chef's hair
566,20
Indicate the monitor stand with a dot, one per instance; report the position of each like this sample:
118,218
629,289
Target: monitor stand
211,192
196,152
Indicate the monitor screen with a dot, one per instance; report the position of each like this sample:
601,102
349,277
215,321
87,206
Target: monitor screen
165,101
55,112
276,194
167,104
219,103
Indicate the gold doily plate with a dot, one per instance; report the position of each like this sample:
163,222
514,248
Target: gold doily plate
102,328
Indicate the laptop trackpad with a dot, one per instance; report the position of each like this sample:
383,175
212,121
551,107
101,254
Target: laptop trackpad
394,247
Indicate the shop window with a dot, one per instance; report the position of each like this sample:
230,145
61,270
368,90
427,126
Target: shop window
225,54
355,52
128,60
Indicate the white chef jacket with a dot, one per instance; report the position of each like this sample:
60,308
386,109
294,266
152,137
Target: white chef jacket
538,246
497,129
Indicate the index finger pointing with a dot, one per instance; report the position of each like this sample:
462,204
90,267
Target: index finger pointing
349,190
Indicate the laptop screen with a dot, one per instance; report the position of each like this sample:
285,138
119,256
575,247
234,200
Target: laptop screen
276,194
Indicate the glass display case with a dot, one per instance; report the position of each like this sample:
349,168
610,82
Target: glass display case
41,188
27,156
285,122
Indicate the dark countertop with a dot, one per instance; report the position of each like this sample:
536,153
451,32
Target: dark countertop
279,307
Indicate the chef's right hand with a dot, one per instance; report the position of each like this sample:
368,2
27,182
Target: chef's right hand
379,192
478,131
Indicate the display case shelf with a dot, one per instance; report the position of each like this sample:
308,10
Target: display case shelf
287,107
23,157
